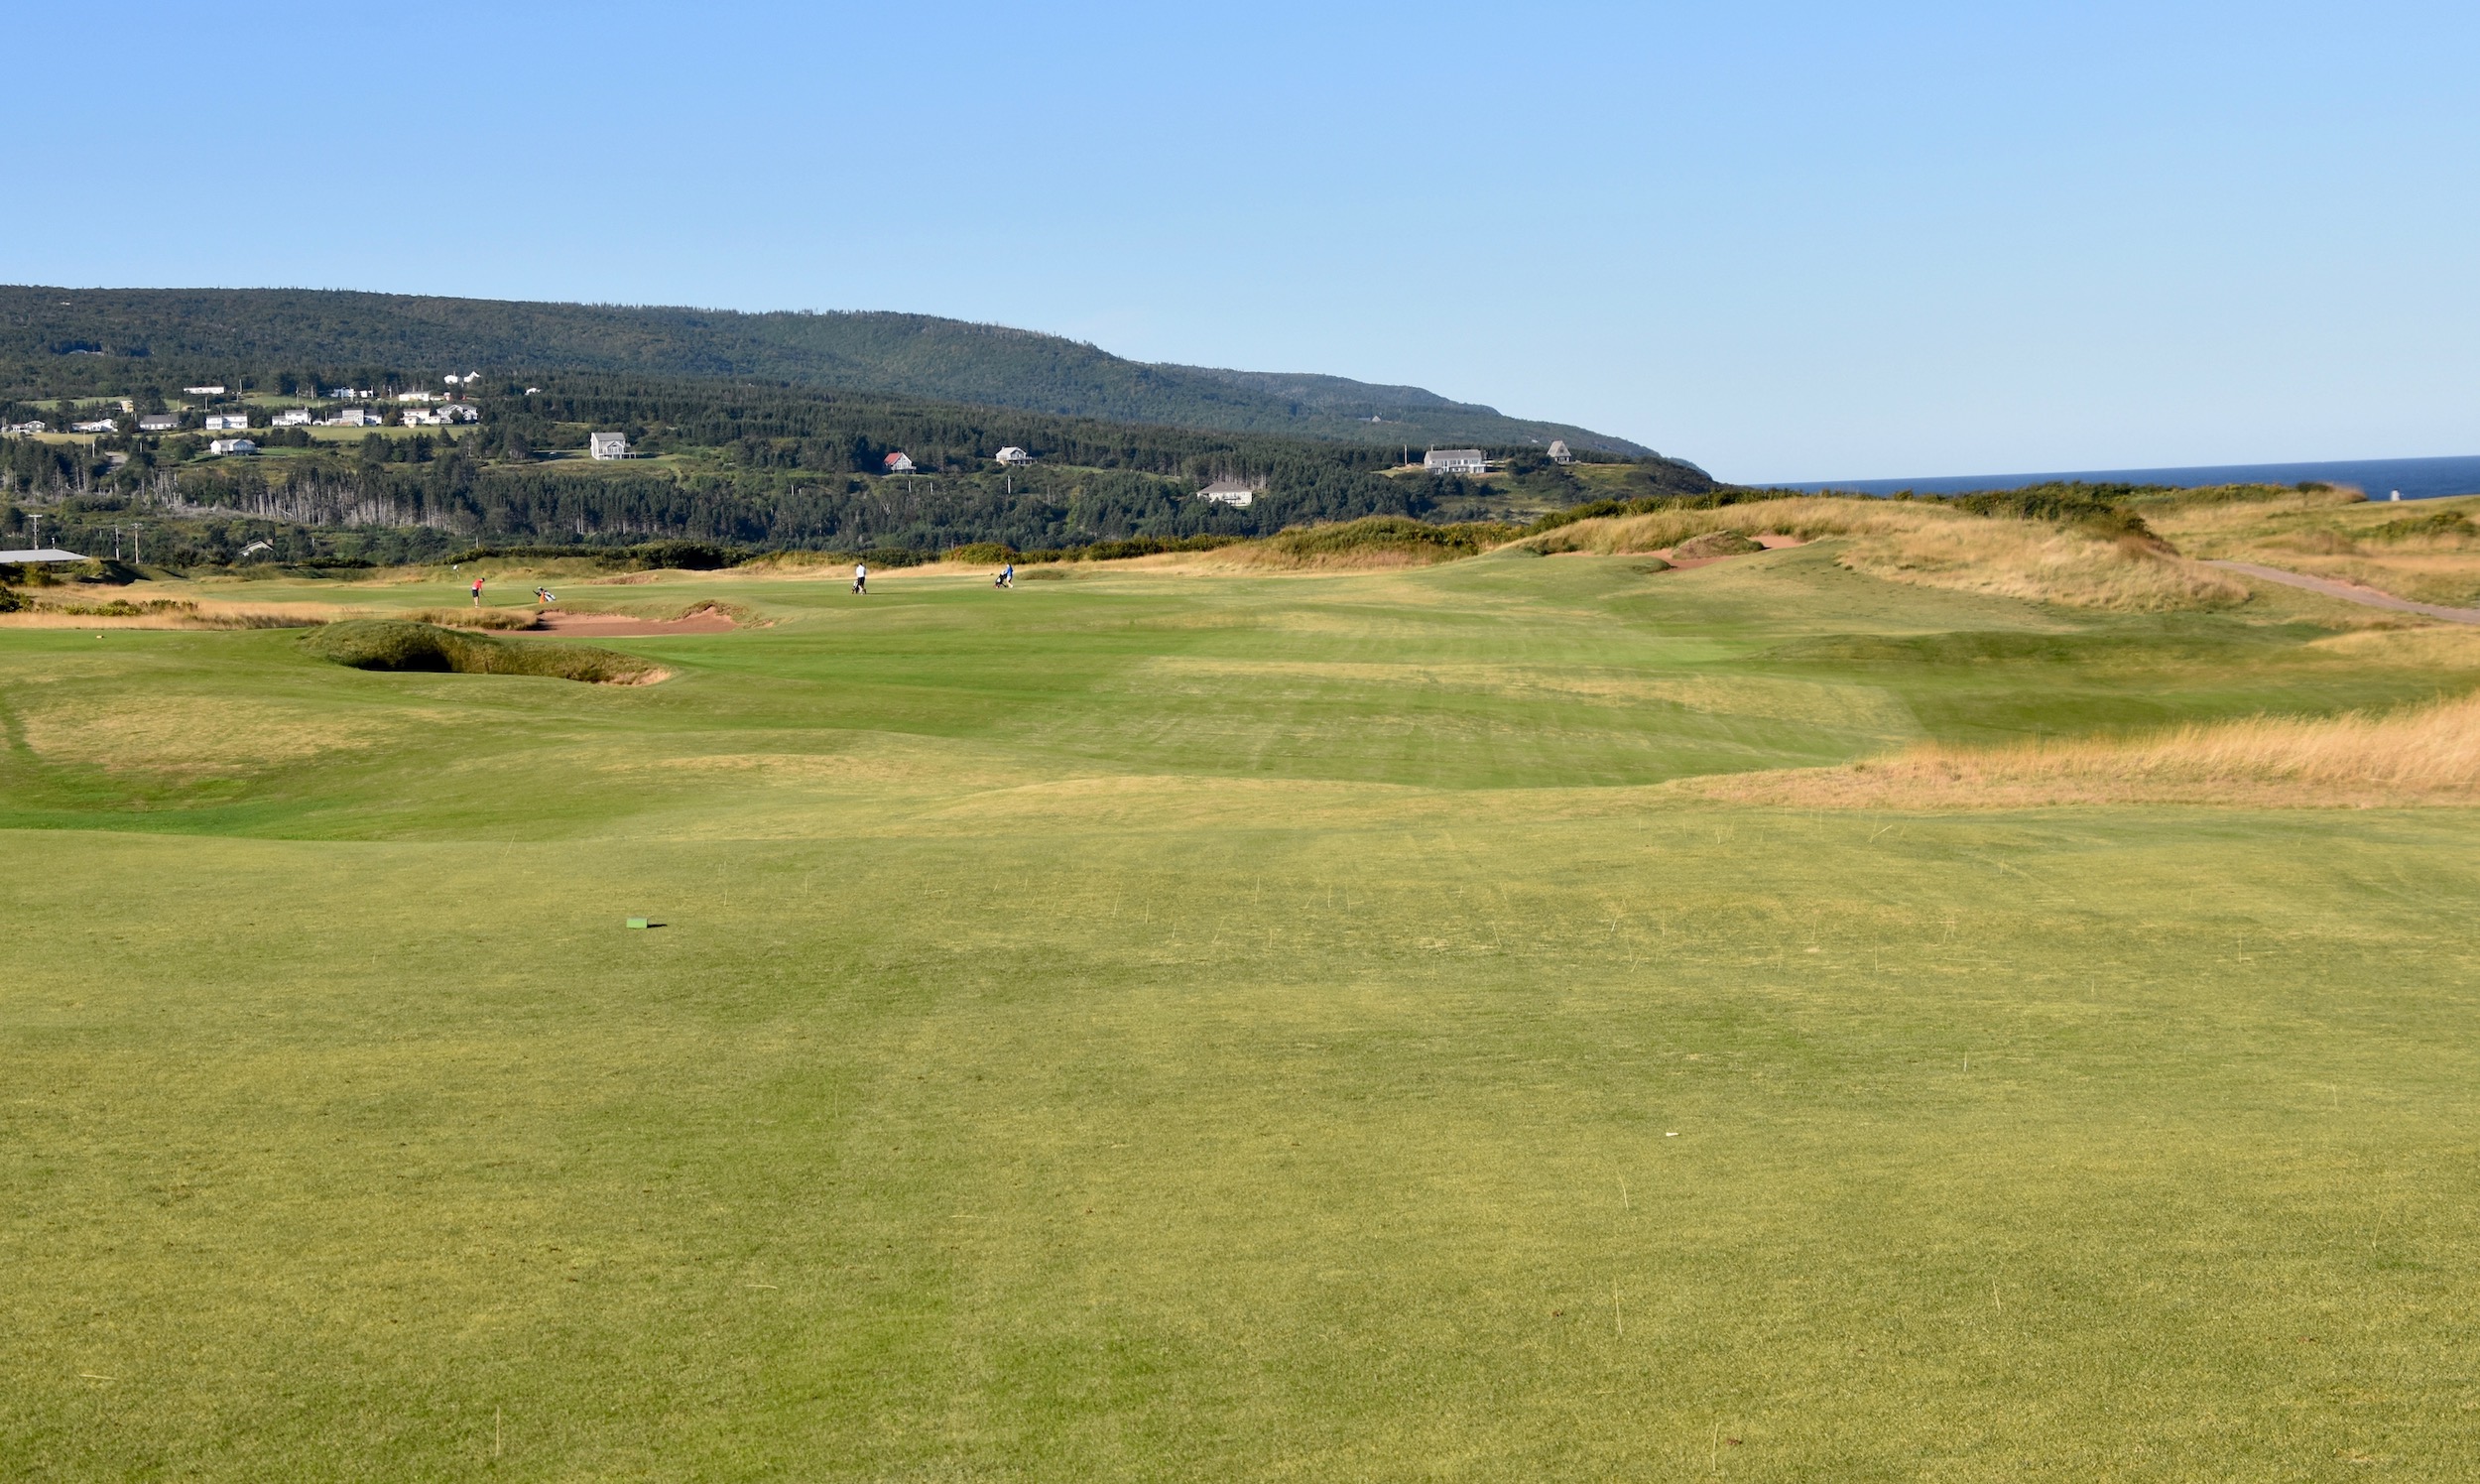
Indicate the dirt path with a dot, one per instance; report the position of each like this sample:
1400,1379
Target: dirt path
628,626
2352,593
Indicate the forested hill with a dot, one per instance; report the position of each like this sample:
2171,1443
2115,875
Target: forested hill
197,332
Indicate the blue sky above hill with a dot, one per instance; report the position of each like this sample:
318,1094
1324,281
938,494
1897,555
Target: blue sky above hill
1786,241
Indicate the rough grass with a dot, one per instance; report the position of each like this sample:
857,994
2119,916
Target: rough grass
1930,547
473,618
166,613
2418,756
391,644
2430,554
1371,542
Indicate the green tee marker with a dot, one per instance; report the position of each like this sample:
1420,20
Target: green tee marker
637,922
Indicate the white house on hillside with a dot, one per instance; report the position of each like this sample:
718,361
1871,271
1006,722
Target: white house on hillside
461,412
1012,454
231,445
1229,492
1559,454
291,417
203,391
1456,462
897,463
217,422
157,422
354,416
607,445
103,424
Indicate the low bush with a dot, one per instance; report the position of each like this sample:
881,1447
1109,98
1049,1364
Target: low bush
392,644
1716,544
2441,525
684,556
1394,533
122,608
982,553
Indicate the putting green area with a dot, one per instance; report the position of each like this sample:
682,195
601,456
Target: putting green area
1177,1024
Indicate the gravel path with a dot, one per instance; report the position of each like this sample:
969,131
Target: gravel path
2352,593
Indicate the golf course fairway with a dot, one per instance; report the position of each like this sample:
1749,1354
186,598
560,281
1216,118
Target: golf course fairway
1159,1024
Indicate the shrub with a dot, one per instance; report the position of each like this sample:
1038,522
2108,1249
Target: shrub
2450,525
982,553
1380,542
686,555
1716,544
391,644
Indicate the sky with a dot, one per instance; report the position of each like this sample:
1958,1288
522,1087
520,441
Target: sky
1784,241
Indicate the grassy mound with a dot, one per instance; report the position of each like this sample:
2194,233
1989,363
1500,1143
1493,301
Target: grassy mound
2430,555
1716,544
474,618
390,644
2077,565
2420,755
1377,540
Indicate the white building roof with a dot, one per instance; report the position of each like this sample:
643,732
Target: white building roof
40,554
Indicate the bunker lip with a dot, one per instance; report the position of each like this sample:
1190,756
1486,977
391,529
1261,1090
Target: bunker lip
625,625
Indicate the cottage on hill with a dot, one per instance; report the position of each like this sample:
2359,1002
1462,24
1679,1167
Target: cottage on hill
607,445
1012,454
899,463
1456,462
1559,454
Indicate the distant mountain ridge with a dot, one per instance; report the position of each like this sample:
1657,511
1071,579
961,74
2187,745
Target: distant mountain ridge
919,355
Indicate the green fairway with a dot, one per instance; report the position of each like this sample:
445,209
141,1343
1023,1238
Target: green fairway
1195,1026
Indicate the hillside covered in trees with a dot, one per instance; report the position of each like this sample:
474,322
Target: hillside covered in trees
739,463
67,341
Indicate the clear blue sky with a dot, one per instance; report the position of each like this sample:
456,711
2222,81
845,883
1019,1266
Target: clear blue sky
1786,241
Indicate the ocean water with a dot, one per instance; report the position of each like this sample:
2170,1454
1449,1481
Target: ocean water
2416,478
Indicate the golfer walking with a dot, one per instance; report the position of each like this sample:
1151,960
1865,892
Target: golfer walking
860,578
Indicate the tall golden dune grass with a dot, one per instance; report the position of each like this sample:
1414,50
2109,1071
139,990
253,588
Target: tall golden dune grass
1932,547
2429,553
2424,754
465,618
172,614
